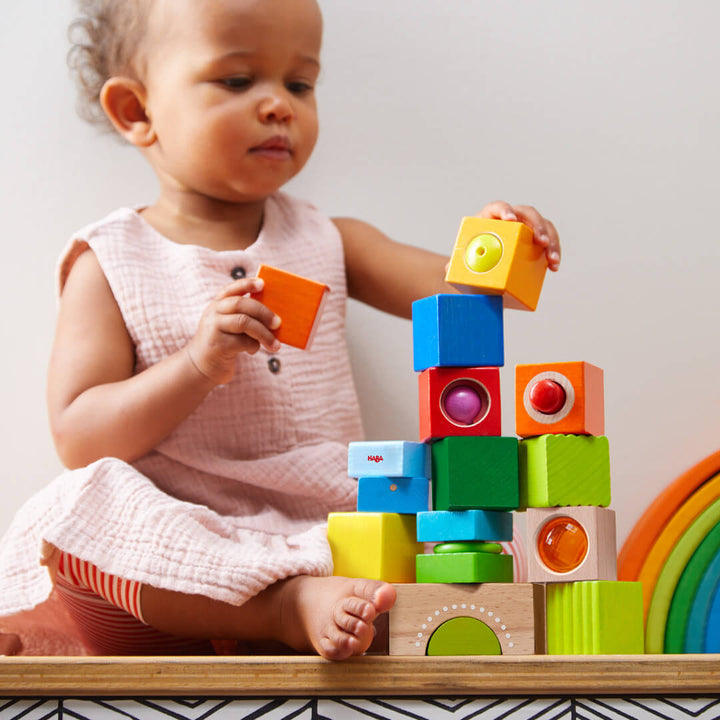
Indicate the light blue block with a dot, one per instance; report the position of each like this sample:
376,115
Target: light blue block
389,458
406,496
464,525
458,331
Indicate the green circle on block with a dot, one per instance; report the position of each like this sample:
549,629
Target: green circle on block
483,252
463,547
463,636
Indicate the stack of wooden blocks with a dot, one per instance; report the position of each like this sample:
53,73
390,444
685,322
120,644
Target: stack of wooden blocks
459,598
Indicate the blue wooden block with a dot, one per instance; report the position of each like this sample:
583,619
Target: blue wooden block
463,525
406,496
458,331
389,458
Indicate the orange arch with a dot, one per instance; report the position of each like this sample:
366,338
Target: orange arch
641,539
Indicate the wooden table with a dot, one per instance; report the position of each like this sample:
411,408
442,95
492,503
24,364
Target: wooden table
380,687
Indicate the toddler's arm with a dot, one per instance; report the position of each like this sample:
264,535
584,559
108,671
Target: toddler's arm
391,276
97,407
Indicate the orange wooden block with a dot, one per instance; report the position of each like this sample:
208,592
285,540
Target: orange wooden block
498,257
297,300
559,398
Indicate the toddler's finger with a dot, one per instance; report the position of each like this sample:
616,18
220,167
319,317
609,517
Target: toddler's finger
499,210
245,305
554,252
241,324
243,286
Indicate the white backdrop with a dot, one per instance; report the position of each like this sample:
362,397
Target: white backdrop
605,116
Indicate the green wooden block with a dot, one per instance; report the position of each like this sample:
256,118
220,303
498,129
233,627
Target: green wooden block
599,617
475,473
472,567
558,470
463,636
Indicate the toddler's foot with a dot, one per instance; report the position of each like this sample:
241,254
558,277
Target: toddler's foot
333,615
10,644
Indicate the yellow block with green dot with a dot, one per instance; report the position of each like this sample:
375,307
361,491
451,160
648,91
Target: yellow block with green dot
464,567
498,257
561,470
598,617
378,546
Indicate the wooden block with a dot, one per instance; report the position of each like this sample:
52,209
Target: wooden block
407,496
507,619
564,470
297,300
464,567
388,458
571,544
565,397
458,331
595,618
377,546
497,257
475,473
464,525
459,401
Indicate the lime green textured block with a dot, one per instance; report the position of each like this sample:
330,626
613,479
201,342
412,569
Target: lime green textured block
558,470
595,618
471,567
475,473
378,546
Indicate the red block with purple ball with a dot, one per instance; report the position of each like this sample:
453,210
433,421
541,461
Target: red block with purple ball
459,402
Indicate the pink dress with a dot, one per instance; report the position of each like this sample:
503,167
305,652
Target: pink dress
237,496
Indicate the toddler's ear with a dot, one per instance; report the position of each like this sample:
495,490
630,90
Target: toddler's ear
123,100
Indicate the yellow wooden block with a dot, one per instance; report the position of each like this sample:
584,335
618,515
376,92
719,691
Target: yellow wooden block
498,257
378,546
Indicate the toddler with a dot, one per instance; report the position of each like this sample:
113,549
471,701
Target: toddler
203,458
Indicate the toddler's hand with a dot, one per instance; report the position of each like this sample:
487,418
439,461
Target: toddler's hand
545,233
232,323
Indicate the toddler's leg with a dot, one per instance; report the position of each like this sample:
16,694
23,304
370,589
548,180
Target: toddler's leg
332,616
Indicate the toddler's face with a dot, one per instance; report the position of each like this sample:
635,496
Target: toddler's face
230,93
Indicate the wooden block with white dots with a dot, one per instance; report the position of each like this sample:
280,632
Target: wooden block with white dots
484,619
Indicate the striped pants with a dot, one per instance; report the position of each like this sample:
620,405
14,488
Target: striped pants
108,613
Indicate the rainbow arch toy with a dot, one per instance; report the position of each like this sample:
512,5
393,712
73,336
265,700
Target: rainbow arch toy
674,551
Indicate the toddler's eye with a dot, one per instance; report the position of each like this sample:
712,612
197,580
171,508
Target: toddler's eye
299,87
236,82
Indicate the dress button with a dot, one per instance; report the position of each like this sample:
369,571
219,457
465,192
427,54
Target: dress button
274,365
238,273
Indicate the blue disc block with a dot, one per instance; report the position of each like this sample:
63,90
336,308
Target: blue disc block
389,458
406,496
458,331
464,525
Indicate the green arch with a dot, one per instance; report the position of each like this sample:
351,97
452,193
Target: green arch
463,636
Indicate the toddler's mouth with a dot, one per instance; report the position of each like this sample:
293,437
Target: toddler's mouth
277,147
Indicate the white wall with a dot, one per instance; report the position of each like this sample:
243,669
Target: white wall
603,115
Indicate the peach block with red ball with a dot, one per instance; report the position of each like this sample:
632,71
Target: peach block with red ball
561,397
571,544
459,401
297,300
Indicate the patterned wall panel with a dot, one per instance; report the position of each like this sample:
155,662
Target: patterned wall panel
362,709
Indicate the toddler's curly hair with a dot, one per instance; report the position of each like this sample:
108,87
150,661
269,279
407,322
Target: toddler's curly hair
105,39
